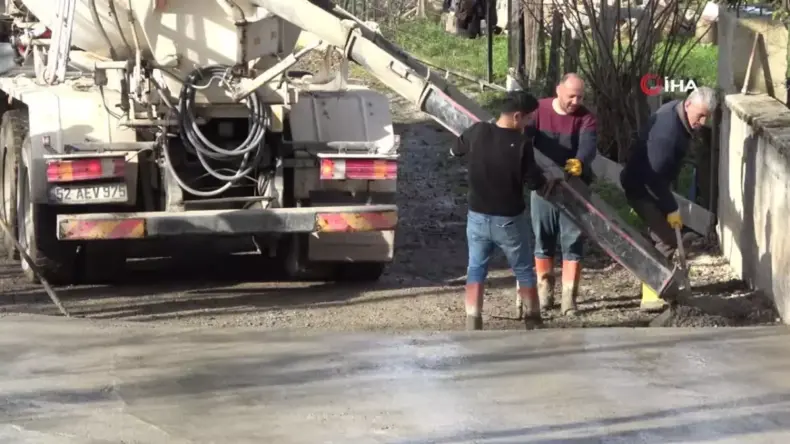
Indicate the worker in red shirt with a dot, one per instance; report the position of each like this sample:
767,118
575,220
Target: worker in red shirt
501,162
565,131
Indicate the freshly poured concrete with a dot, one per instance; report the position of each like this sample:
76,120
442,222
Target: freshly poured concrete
71,381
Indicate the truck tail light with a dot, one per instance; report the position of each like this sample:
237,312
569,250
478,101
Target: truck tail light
61,170
361,169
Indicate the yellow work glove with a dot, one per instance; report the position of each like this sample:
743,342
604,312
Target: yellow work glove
674,220
573,167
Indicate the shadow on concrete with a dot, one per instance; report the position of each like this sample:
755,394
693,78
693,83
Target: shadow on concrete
198,288
708,430
748,235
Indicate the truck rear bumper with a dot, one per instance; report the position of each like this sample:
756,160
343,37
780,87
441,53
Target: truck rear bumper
105,226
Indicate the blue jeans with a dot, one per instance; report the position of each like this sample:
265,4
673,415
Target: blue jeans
511,234
550,225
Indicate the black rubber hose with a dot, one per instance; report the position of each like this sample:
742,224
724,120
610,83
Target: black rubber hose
250,151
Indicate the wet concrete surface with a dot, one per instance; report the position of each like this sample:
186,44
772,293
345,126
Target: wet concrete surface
80,381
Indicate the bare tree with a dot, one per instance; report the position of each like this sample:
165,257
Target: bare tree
612,44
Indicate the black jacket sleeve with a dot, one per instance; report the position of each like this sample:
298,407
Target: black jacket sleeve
463,144
533,174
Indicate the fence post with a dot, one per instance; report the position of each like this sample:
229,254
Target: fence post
421,8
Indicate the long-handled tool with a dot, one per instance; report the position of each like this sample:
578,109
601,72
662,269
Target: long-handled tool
23,254
664,318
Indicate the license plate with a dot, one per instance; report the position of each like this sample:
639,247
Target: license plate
103,193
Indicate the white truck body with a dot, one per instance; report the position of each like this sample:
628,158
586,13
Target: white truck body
88,183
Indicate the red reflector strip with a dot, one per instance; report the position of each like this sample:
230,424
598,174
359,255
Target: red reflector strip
345,222
75,229
359,169
85,169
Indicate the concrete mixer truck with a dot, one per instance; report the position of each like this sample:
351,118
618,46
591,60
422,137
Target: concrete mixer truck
131,125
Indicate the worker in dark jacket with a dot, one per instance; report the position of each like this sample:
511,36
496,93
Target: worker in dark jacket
501,162
468,16
655,161
565,131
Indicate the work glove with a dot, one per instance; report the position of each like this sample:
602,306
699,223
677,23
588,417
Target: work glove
674,220
573,167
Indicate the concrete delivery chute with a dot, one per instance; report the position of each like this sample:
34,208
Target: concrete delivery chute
180,119
455,111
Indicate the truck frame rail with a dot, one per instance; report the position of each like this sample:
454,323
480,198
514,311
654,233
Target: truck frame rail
335,219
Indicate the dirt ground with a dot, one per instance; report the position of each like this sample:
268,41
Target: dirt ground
421,290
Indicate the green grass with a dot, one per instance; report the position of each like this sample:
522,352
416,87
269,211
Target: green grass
612,195
428,41
701,64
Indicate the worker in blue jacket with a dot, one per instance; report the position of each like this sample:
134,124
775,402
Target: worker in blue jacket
655,161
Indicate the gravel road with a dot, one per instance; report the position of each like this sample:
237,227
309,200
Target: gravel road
420,291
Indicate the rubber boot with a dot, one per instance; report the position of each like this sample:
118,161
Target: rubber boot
571,273
544,269
529,296
519,303
474,306
651,303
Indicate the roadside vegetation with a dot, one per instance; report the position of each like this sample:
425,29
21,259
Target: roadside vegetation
427,40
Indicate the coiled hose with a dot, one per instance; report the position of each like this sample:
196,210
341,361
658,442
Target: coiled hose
250,151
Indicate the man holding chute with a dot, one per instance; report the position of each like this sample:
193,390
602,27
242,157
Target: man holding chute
655,161
501,164
564,131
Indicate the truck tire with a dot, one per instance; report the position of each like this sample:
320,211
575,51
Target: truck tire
36,225
13,129
291,253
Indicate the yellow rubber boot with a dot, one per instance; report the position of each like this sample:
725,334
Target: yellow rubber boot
650,300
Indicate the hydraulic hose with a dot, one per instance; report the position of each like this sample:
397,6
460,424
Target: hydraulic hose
250,151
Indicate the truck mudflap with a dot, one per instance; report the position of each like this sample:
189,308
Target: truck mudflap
113,226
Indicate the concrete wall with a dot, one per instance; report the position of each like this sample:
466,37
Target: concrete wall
754,194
